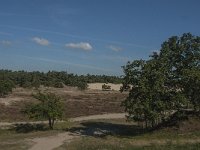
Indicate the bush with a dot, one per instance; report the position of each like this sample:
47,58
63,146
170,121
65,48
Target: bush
50,108
6,87
82,85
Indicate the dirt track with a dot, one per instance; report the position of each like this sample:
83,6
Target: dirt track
51,142
83,118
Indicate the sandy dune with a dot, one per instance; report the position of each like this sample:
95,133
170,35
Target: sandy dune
98,86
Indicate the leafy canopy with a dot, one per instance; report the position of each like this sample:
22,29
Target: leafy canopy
169,81
49,107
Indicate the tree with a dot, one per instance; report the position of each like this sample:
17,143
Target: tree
181,58
49,107
169,81
54,79
145,102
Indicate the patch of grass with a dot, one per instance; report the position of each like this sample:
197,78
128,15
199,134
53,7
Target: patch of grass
32,130
10,140
105,135
65,125
117,144
118,134
14,146
19,136
122,129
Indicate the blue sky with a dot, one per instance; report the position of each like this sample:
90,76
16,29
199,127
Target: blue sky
89,36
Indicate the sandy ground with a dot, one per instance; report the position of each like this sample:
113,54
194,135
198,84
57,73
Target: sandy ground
9,100
76,119
51,142
98,86
18,94
103,116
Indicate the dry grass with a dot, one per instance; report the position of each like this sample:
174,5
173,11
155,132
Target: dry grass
105,134
118,134
77,103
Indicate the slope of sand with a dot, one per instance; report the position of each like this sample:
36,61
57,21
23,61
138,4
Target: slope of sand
98,86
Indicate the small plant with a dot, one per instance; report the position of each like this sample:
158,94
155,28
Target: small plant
106,87
82,86
50,107
6,87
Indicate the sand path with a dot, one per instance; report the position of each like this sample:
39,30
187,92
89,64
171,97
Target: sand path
77,119
51,142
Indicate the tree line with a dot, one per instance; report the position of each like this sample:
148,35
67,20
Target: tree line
168,82
10,79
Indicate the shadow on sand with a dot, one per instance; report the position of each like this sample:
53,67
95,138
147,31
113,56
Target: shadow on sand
103,129
26,128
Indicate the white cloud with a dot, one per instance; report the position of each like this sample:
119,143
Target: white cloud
82,45
5,42
76,36
115,48
41,41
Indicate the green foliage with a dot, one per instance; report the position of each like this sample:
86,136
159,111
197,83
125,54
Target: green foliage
82,85
58,85
54,79
50,107
169,81
6,87
106,87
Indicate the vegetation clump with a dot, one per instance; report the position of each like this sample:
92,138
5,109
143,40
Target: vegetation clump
54,79
6,87
49,107
106,87
166,83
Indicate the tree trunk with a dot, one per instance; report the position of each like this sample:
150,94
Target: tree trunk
53,123
50,124
146,124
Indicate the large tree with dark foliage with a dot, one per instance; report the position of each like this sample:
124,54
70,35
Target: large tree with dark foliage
169,81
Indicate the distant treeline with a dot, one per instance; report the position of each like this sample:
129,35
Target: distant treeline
53,79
